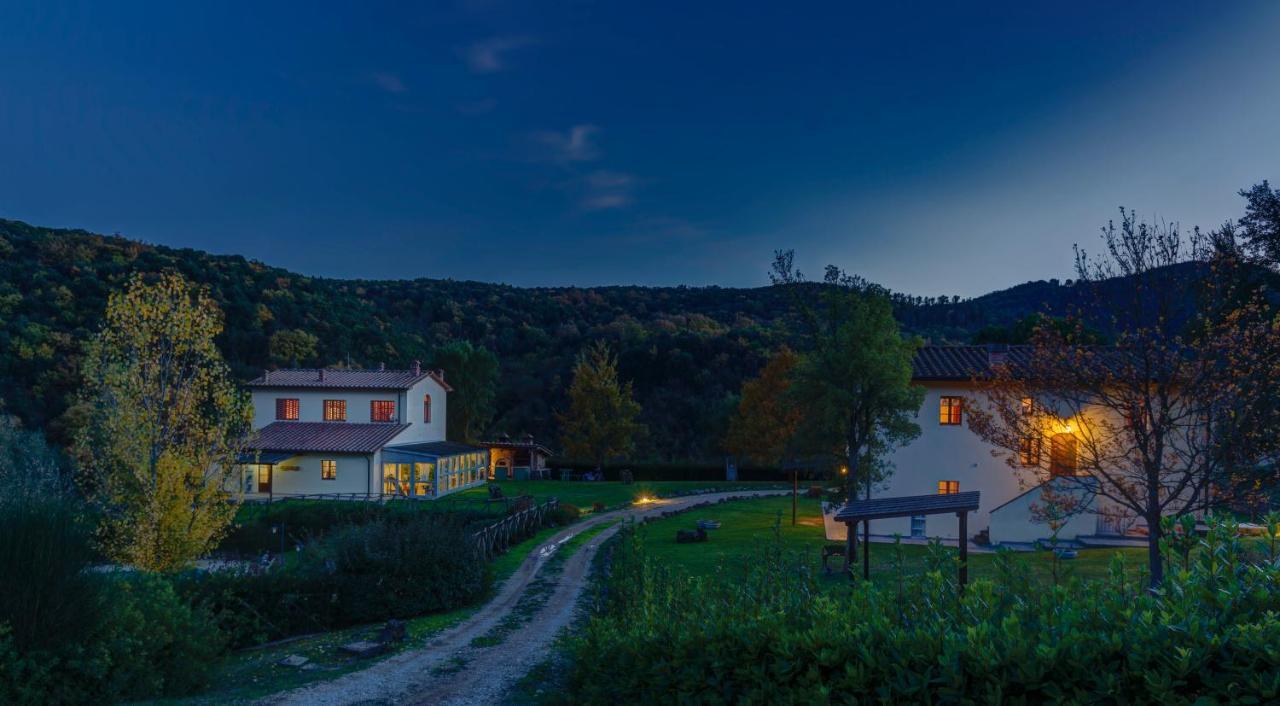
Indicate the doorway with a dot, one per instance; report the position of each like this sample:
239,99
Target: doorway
263,471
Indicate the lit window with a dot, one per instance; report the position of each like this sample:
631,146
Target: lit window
949,411
335,410
1029,451
382,411
426,409
328,470
287,409
948,487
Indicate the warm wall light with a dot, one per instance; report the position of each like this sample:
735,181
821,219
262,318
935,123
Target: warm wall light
844,470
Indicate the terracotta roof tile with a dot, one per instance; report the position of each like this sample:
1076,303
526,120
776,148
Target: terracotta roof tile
333,437
346,379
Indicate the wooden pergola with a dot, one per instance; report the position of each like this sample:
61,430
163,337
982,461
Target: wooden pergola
908,506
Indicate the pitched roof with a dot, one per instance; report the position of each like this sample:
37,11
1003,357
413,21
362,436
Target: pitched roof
959,362
346,379
438,448
509,444
334,437
907,505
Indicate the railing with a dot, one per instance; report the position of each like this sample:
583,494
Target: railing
360,497
496,538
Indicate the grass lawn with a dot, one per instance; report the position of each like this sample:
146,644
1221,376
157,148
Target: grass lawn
747,524
612,493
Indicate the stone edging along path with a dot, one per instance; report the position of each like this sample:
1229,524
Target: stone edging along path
452,669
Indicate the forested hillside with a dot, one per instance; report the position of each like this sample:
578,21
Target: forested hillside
687,349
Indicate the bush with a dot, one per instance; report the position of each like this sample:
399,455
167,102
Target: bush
47,598
1208,636
565,514
397,567
304,521
147,643
403,569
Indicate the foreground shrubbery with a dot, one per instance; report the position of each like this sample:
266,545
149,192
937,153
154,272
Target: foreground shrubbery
254,529
391,567
1212,634
68,635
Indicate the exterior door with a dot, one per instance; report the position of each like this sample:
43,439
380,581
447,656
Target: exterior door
1062,455
264,477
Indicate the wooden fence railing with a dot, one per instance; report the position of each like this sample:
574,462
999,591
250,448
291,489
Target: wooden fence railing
497,537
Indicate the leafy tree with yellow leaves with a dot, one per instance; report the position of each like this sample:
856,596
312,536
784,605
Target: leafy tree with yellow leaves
165,424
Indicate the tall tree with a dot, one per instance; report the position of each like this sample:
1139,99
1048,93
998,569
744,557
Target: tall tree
472,372
166,424
764,423
600,422
1151,424
854,381
1260,225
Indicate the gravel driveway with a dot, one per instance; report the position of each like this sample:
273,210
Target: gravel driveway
452,670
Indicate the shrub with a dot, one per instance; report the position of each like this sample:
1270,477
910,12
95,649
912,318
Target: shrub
387,568
254,529
403,569
147,643
1208,636
565,514
47,598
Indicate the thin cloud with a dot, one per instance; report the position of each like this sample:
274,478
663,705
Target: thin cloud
604,190
390,83
577,144
490,55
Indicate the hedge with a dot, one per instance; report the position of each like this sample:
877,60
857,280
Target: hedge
1210,635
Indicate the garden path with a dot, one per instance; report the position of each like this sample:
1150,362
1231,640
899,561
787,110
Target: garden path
452,669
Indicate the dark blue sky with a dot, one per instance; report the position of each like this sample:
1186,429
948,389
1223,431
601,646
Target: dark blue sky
937,148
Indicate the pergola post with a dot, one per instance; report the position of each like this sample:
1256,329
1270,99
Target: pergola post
866,550
850,548
964,548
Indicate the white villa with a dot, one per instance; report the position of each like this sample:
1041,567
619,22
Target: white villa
949,458
364,433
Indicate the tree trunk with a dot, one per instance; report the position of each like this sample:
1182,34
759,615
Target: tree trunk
851,479
1155,562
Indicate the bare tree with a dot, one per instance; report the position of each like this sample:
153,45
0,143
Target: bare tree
1151,423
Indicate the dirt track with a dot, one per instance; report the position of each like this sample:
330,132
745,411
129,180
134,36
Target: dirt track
450,669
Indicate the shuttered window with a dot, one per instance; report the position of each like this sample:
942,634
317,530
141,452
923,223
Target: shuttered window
382,411
287,409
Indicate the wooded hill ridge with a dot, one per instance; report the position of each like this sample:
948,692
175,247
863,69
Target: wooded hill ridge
687,349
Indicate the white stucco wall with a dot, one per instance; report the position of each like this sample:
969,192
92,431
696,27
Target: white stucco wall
413,413
1013,522
948,452
409,407
353,476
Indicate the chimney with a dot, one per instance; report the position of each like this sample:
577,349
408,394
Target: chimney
997,354
417,367
266,375
321,374
440,374
382,366
528,438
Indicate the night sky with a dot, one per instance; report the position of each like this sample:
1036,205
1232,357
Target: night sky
937,148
